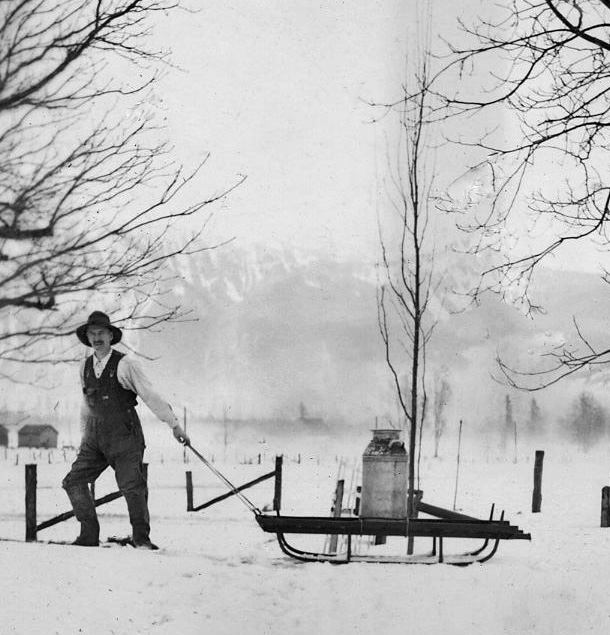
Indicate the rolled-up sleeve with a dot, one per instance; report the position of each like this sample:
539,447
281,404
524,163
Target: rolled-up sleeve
132,377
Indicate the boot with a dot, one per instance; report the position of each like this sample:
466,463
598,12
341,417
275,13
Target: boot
147,544
140,520
140,537
144,543
89,534
84,510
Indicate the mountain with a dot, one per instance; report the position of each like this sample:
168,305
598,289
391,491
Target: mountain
268,329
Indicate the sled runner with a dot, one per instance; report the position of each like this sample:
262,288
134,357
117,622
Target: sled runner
489,531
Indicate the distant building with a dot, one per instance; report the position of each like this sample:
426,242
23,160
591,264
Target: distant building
37,436
11,421
3,436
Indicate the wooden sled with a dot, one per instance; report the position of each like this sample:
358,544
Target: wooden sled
444,524
448,524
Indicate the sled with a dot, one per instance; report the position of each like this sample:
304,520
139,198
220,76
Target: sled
453,525
443,524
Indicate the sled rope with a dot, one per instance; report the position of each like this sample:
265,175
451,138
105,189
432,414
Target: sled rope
255,510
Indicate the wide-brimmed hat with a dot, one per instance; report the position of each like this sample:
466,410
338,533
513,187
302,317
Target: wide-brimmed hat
97,318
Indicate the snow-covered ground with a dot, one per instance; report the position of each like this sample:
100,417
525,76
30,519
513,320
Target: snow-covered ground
218,573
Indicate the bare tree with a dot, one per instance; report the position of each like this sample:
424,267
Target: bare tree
509,427
89,195
535,422
408,281
442,395
527,88
587,421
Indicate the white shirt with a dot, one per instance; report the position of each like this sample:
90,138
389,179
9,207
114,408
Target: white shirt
131,377
100,364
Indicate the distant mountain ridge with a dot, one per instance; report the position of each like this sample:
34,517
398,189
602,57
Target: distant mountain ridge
267,329
272,328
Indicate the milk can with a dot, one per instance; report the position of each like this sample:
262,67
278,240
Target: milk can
384,476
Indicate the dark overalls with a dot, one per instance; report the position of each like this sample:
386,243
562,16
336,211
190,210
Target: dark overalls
112,437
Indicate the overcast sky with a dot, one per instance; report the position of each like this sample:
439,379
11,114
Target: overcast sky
274,90
277,91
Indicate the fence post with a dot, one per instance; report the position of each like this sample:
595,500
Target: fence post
605,506
189,491
457,468
537,493
337,508
357,501
30,502
277,492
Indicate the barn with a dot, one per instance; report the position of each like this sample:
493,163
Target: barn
3,436
37,436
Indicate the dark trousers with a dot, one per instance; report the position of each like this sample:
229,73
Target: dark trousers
118,443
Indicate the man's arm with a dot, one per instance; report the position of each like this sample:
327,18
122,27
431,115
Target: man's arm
132,377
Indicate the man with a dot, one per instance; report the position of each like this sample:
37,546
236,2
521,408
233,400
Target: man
111,431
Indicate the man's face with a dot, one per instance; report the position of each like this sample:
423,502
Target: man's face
100,339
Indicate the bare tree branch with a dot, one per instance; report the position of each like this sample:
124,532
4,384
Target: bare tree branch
540,67
91,203
408,278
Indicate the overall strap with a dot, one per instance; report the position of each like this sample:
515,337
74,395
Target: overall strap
88,373
113,363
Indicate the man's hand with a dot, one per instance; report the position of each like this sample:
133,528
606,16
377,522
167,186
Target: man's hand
180,435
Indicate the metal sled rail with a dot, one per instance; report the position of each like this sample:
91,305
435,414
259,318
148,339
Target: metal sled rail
490,531
435,557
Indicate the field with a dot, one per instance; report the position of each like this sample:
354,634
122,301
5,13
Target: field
218,573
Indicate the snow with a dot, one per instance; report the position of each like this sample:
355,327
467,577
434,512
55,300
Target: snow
218,573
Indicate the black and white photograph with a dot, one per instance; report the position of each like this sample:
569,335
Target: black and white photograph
304,317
